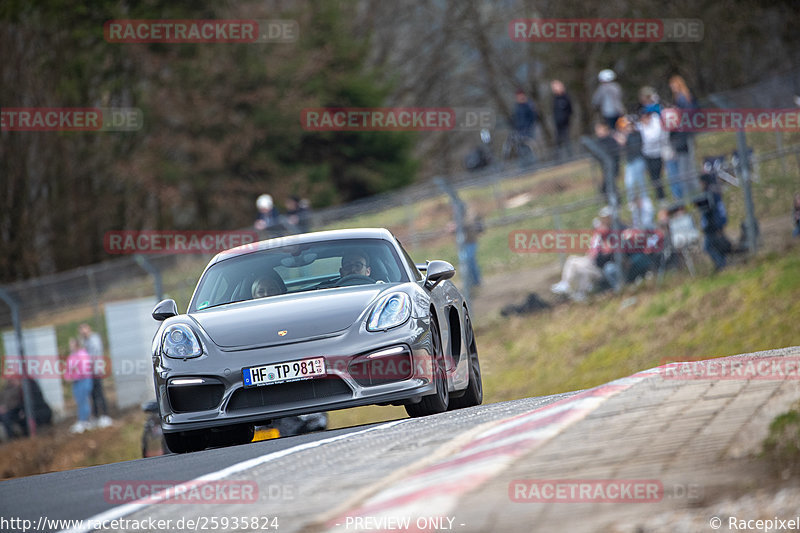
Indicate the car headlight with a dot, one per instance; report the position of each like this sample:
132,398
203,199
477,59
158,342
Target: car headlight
391,310
179,341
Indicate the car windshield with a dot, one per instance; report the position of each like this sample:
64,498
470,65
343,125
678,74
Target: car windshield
299,268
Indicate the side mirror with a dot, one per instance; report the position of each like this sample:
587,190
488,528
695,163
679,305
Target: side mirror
165,309
438,271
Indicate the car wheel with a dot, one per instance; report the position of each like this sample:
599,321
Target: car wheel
186,441
437,402
474,393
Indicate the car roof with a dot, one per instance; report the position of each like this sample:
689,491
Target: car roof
317,236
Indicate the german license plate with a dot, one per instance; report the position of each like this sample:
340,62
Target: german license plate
283,372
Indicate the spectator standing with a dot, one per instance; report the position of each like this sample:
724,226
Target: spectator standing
649,100
523,123
94,347
676,176
630,139
524,116
562,113
473,227
681,169
610,148
79,372
654,142
607,98
298,214
468,252
268,220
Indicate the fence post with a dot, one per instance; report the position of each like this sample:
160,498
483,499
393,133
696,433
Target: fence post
151,269
459,212
744,163
781,153
611,193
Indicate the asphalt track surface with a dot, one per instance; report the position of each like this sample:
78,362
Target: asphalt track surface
75,494
340,463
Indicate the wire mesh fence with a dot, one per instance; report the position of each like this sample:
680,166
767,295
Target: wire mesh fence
546,193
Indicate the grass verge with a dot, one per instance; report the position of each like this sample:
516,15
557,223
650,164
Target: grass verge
743,309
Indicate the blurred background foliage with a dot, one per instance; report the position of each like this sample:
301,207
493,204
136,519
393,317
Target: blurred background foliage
222,121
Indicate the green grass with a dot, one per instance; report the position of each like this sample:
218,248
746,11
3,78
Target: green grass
126,444
743,309
781,448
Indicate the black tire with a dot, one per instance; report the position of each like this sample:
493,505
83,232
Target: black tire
144,441
438,401
186,441
474,393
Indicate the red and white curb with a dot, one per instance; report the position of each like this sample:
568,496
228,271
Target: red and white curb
417,500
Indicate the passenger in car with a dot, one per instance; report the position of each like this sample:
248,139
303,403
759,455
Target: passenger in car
269,284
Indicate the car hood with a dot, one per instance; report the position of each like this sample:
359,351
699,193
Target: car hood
298,316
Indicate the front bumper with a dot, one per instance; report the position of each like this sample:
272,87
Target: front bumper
223,399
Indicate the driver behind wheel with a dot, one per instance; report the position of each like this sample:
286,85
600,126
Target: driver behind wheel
355,263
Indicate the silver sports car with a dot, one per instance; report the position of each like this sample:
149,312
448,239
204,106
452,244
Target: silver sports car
311,323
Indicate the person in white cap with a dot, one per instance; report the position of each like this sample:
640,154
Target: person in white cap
268,220
607,98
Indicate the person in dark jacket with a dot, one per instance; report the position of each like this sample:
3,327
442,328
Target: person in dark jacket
524,116
610,147
298,214
562,112
713,218
12,412
12,407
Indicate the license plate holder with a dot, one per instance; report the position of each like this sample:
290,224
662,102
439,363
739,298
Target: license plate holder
274,374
